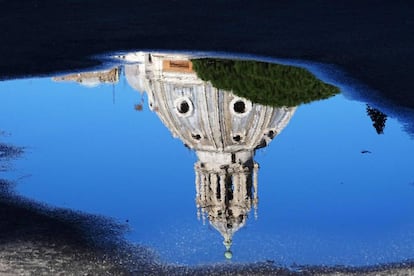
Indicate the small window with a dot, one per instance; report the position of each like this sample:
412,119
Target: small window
239,107
271,133
183,106
196,136
237,138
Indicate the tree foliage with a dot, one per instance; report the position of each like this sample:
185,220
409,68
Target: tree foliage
378,119
264,83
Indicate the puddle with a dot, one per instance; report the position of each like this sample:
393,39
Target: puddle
217,161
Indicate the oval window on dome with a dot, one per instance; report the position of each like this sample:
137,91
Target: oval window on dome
271,133
183,106
197,137
240,107
238,138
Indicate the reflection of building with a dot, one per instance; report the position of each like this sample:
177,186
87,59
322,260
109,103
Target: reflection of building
223,129
92,78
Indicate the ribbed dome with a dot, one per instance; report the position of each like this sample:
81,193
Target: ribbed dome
203,117
223,129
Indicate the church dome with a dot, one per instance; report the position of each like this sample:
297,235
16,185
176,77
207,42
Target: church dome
203,117
223,129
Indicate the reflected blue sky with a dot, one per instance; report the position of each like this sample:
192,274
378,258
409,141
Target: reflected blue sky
321,200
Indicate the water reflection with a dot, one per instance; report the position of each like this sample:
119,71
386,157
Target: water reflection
224,129
195,100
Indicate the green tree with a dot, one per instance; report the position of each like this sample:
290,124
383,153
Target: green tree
264,83
378,119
